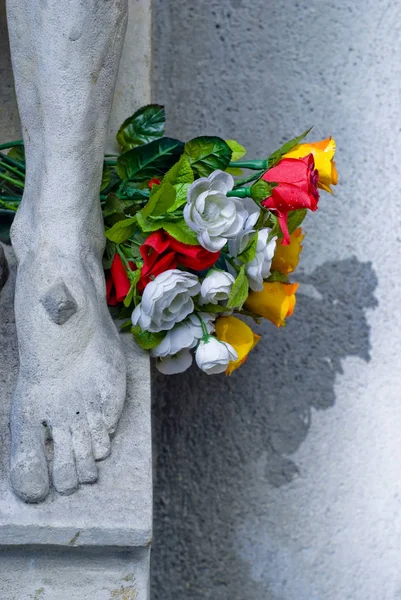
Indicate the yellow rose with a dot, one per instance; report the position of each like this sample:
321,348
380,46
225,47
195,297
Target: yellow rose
241,337
323,153
275,302
286,258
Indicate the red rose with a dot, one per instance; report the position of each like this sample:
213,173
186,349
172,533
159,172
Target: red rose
153,182
161,252
297,181
117,282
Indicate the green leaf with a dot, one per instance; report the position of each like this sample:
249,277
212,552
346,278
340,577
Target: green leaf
134,277
144,126
131,190
146,225
114,218
208,153
212,308
108,255
121,231
113,205
180,173
181,232
295,218
151,160
250,251
147,340
262,189
17,153
277,276
181,190
239,291
105,177
237,150
160,201
126,326
234,171
278,154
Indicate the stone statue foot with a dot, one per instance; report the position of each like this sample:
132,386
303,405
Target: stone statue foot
72,381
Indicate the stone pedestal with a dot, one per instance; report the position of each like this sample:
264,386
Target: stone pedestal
96,542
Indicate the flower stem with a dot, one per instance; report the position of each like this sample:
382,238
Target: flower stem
241,182
11,144
205,332
12,162
240,192
256,165
12,169
7,205
11,180
11,198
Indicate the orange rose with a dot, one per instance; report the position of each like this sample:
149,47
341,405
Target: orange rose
286,258
275,302
241,337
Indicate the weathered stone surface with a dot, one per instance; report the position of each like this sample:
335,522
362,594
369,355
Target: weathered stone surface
288,472
59,302
117,511
74,574
3,267
72,378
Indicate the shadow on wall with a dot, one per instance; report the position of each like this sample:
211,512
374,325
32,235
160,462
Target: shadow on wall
209,432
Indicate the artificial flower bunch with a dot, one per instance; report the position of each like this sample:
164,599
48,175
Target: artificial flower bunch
199,248
193,244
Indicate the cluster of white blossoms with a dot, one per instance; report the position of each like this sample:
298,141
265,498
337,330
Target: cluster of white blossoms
169,301
213,216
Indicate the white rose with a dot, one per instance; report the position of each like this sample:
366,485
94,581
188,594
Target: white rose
184,335
258,268
213,356
167,300
214,217
170,365
216,287
241,241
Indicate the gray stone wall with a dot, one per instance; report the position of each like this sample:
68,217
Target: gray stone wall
283,481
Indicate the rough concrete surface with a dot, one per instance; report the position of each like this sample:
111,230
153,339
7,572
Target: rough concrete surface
73,574
283,482
3,267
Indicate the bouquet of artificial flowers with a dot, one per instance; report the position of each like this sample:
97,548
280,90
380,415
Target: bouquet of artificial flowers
191,249
192,244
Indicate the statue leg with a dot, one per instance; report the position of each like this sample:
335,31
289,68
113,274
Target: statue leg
72,378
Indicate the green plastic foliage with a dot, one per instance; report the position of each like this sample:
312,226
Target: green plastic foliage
121,231
181,176
237,150
277,276
105,177
144,126
113,205
152,160
262,189
134,277
295,218
147,340
181,172
250,251
181,232
278,154
239,291
208,153
159,201
17,153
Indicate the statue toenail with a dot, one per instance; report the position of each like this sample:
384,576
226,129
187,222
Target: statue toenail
59,303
